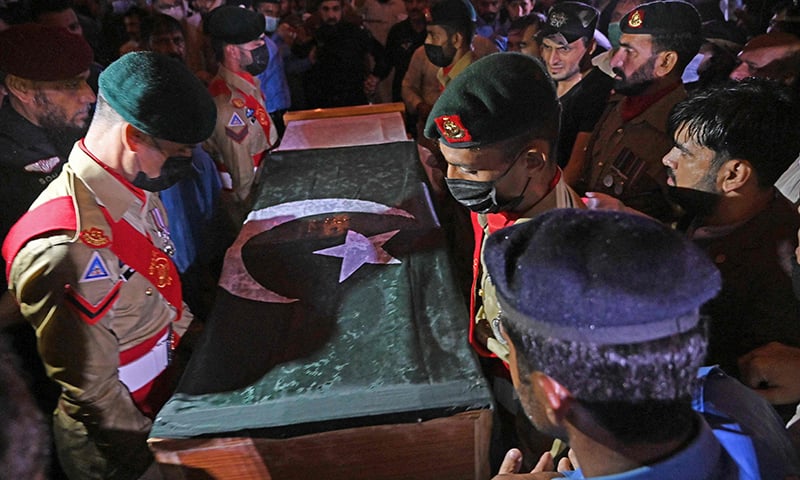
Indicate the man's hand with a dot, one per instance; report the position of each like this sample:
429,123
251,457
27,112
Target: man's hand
512,463
772,370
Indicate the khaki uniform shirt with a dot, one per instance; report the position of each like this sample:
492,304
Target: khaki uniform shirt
624,158
242,135
562,196
458,67
87,306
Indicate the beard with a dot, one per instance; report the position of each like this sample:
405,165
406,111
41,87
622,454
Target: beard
63,132
700,200
639,80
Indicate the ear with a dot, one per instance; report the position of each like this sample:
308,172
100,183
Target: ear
132,137
734,174
665,63
232,52
556,398
457,39
537,155
20,88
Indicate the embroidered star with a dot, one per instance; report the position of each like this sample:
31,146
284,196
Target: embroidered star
358,250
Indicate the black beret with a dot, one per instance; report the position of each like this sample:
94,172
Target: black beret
159,96
572,20
599,277
661,17
455,13
496,98
234,25
37,52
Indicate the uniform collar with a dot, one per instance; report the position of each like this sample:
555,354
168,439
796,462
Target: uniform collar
115,193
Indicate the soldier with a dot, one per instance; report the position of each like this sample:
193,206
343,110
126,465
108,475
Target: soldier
89,265
244,131
623,155
501,165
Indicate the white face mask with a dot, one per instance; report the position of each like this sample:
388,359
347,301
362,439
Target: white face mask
177,12
271,23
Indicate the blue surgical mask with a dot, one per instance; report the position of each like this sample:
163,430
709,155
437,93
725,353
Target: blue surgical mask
271,23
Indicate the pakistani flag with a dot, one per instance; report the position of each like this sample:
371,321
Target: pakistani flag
338,307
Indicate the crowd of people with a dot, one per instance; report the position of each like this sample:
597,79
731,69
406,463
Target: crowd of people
623,174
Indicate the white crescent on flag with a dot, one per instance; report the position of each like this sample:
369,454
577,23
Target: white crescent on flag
237,280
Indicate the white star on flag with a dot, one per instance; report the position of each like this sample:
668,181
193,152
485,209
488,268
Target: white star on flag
358,250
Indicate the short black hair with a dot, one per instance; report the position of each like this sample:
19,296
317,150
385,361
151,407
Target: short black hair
158,24
40,7
754,120
685,44
655,378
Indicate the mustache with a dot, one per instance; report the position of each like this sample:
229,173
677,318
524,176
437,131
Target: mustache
618,71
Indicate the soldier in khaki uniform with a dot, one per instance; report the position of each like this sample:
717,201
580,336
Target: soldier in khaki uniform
501,164
244,131
623,156
90,265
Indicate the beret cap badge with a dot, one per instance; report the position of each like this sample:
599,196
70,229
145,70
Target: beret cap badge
636,19
453,129
558,19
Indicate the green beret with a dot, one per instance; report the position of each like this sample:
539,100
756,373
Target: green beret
234,25
662,17
159,96
500,96
40,53
454,13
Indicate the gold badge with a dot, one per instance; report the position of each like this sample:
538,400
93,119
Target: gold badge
636,19
453,129
159,270
238,102
95,238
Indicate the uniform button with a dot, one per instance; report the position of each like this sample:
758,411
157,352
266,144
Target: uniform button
599,164
480,292
720,258
619,130
148,291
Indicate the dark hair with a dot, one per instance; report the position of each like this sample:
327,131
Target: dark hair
158,24
640,392
40,7
521,23
754,120
685,44
467,30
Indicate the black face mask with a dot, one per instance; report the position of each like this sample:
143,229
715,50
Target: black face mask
481,197
437,55
173,170
260,59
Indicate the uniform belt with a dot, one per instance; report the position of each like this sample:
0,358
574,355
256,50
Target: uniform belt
142,370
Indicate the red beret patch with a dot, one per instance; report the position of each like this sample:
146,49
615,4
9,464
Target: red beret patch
636,20
452,129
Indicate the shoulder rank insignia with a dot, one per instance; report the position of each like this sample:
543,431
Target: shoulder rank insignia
452,129
237,102
94,238
237,137
636,19
95,269
236,121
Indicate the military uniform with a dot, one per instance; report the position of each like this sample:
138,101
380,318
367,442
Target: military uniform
107,312
624,157
458,67
242,135
483,305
